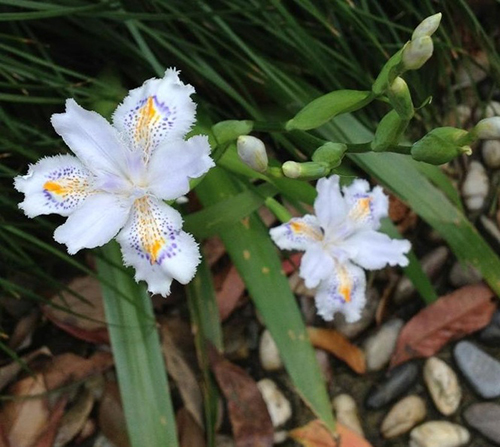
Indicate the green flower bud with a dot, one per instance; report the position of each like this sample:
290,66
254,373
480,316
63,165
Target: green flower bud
427,27
400,98
252,152
417,53
307,170
227,131
487,129
441,145
391,69
331,153
389,131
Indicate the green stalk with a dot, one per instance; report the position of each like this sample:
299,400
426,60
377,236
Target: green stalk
136,349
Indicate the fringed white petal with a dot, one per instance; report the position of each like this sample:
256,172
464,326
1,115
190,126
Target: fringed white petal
92,139
315,266
154,244
94,223
159,109
56,184
343,291
373,250
297,234
174,163
329,206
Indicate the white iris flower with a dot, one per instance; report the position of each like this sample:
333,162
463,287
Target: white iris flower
121,175
339,242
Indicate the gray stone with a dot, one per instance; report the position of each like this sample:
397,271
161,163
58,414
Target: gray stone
485,418
380,346
491,333
346,412
432,264
398,381
480,369
269,353
439,434
462,275
443,386
278,405
475,187
491,227
403,416
491,153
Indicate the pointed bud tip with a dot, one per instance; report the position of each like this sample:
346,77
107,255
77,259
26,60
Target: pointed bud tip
428,26
252,152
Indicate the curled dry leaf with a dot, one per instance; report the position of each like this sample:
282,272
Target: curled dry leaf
189,432
334,342
452,316
86,320
46,439
21,337
315,434
250,420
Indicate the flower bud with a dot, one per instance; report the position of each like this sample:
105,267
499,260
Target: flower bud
227,131
400,98
441,145
417,53
330,153
389,132
252,152
427,27
307,170
487,129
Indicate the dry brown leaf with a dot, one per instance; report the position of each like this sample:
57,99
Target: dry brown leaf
10,371
46,439
315,434
88,321
229,294
334,342
189,432
452,316
21,337
250,420
3,437
213,249
111,417
25,417
181,372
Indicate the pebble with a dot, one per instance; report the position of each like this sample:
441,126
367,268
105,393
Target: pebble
380,346
492,109
269,354
403,416
399,380
491,227
224,441
485,418
278,405
347,413
491,153
443,386
439,434
462,275
323,359
432,264
491,333
352,330
475,187
480,369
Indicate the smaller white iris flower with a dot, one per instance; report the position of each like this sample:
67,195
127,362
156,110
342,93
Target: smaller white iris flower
339,242
121,175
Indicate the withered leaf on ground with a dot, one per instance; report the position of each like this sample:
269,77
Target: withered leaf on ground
46,439
315,434
21,337
250,420
10,371
181,372
86,320
334,342
189,432
452,316
111,417
229,294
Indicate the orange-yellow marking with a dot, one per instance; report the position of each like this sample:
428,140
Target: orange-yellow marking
362,208
54,188
149,231
301,228
148,116
345,287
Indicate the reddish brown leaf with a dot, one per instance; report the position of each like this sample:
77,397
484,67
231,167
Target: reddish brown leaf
228,296
334,342
21,337
452,316
87,321
189,432
315,434
46,439
3,437
10,371
252,426
291,264
111,417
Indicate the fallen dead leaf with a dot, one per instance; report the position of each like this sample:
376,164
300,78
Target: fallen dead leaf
181,372
451,317
229,294
334,342
111,417
3,437
87,320
10,371
315,434
213,250
250,420
46,439
189,432
21,337
291,264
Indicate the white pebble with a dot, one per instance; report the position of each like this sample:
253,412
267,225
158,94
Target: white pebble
268,352
443,385
491,153
278,405
461,275
403,416
491,110
380,346
347,413
439,434
475,187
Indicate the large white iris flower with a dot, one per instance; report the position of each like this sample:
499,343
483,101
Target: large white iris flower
121,175
339,242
